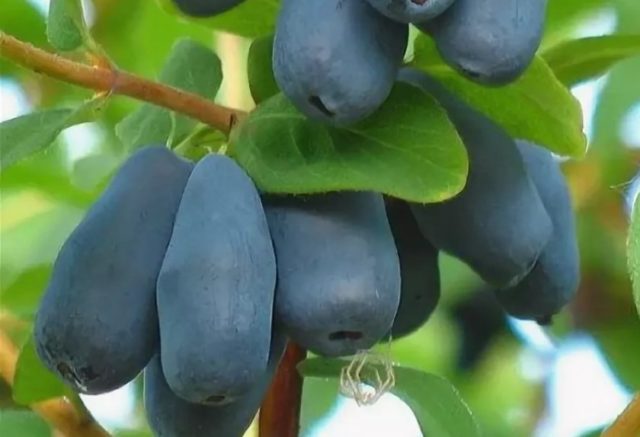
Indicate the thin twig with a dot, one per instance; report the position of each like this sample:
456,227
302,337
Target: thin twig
628,422
58,412
111,80
280,411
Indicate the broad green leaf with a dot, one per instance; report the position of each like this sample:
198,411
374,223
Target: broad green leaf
536,107
425,53
261,81
90,172
437,405
65,24
21,297
22,423
191,67
318,398
194,68
32,381
407,149
202,141
250,18
28,134
633,253
31,133
578,60
147,125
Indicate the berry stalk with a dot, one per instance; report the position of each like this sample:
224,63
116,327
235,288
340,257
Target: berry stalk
280,411
108,79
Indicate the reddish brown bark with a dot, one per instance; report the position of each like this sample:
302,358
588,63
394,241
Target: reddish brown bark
112,81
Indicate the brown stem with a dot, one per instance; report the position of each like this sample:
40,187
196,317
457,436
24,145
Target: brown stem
58,412
628,422
280,411
110,80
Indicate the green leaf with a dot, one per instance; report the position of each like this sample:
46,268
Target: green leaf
28,134
318,398
21,297
201,141
407,149
90,172
262,83
32,381
194,68
425,53
250,19
633,253
31,133
147,125
586,58
191,67
439,408
536,107
65,24
22,423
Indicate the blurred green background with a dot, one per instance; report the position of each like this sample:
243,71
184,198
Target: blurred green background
518,379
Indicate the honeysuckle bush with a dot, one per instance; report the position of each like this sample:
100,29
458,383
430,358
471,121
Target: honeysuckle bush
455,384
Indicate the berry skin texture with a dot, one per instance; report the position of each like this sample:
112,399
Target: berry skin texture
554,279
420,290
338,270
205,8
171,416
336,60
411,11
489,41
216,286
498,224
96,327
